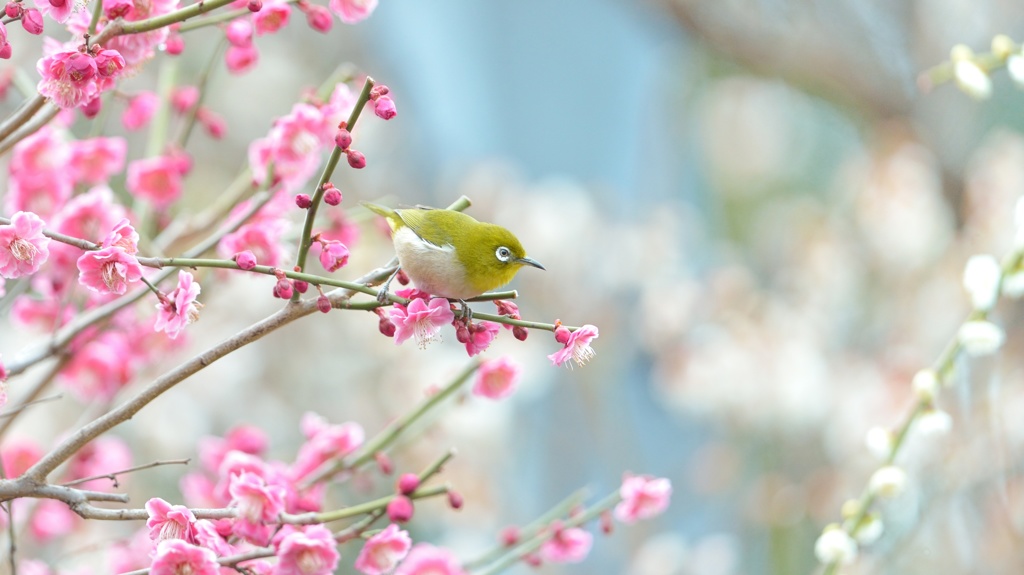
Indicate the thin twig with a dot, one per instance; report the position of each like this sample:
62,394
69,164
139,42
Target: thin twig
113,476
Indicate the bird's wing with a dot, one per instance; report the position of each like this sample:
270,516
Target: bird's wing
426,229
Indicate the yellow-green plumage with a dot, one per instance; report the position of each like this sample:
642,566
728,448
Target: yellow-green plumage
450,254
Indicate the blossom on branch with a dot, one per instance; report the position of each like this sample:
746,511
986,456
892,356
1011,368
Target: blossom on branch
382,552
23,247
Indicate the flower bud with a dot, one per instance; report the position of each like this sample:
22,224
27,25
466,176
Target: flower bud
378,90
319,18
32,21
925,385
509,536
520,333
400,509
607,526
283,289
562,335
332,197
356,159
13,9
980,337
408,483
301,286
303,201
255,5
384,107
246,260
343,139
972,79
455,499
174,45
835,545
462,334
92,107
1002,46
533,560
386,327
888,481
981,280
384,463
402,277
323,304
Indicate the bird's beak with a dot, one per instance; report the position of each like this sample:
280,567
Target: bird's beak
530,262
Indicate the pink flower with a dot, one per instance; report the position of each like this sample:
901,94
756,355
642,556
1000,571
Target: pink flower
104,454
481,334
246,260
425,559
18,455
310,551
168,521
240,59
382,552
293,145
58,10
384,108
239,33
52,519
68,78
271,18
318,17
324,442
5,45
32,21
421,319
140,110
577,345
157,179
100,368
400,509
261,237
567,545
23,247
497,378
176,557
258,503
352,11
333,255
209,537
245,438
643,497
108,270
93,161
180,308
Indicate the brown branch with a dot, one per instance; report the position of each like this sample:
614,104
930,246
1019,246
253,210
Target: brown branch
113,476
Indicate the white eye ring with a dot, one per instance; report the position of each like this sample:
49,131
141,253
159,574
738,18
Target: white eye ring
503,254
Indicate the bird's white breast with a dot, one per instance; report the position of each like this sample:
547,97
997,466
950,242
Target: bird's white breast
434,269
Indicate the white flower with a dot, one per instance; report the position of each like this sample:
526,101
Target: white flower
1015,67
925,384
972,79
981,280
870,530
835,546
888,481
980,337
879,442
933,422
1013,284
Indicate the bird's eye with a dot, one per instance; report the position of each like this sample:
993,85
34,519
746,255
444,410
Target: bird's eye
504,254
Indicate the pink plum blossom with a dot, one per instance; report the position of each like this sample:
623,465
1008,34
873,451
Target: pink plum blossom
643,497
258,503
352,11
68,78
100,367
208,536
180,308
292,145
325,441
577,345
109,270
382,552
157,179
23,247
95,160
168,521
245,438
52,519
497,378
177,557
18,455
58,10
333,255
123,236
420,319
241,59
308,551
239,33
271,18
140,110
481,334
104,454
425,559
262,238
567,545
5,45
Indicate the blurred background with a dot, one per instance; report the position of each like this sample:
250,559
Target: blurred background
752,200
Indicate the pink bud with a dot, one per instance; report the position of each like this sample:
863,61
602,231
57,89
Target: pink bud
319,18
384,107
246,260
13,9
255,5
92,107
408,483
520,333
323,304
184,98
5,54
356,159
606,522
283,289
58,3
402,277
239,33
509,536
240,59
343,139
303,201
3,372
174,45
386,327
400,509
213,123
455,499
378,90
301,286
533,560
562,335
383,462
462,334
332,197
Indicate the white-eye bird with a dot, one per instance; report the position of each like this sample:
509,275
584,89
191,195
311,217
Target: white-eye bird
449,254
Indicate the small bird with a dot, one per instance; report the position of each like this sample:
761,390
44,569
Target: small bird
449,254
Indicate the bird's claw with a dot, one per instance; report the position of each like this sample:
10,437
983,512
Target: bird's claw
382,295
